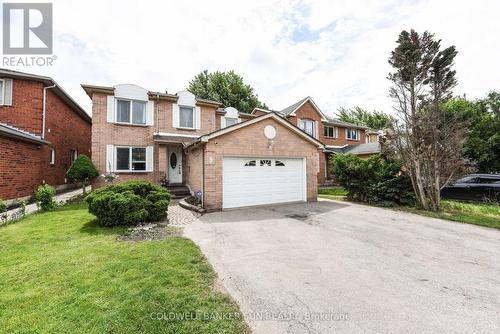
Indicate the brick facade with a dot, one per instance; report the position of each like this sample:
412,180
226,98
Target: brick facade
24,166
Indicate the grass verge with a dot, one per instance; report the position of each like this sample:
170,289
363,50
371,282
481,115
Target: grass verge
60,273
337,193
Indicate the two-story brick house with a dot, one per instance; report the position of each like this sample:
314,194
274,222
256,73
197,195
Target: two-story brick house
232,159
336,135
42,130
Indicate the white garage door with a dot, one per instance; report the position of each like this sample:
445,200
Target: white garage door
258,181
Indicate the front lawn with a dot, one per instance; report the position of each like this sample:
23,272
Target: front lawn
471,213
60,273
332,192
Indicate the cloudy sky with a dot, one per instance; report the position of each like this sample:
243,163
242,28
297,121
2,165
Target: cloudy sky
334,51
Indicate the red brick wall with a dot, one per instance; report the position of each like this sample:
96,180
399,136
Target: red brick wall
65,130
20,167
26,110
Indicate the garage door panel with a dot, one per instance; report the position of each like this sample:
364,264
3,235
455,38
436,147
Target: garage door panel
257,185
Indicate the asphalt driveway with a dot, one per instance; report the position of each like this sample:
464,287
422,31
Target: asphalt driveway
332,267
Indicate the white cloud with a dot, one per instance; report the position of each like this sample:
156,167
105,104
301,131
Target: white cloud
334,51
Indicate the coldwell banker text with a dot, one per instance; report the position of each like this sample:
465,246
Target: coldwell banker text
27,34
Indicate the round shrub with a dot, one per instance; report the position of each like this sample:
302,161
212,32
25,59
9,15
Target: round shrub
128,203
44,197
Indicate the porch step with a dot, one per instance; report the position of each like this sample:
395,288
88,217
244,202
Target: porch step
178,191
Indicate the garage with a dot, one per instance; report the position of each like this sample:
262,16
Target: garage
248,181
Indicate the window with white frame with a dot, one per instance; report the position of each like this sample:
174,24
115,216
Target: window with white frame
307,126
352,134
72,156
130,159
52,158
2,91
131,111
186,117
231,121
330,132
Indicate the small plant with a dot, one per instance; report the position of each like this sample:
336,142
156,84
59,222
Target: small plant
82,170
3,212
164,180
44,197
128,203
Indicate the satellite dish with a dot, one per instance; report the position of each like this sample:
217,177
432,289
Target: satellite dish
269,132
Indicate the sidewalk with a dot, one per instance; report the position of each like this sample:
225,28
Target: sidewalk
31,208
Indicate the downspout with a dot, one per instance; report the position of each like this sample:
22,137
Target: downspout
44,111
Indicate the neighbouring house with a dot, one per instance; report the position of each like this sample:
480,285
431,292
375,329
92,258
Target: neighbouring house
42,130
337,136
233,159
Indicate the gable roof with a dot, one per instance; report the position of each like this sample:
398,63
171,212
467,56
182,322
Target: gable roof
48,81
290,110
274,116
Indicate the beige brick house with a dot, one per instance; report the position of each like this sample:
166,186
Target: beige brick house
232,159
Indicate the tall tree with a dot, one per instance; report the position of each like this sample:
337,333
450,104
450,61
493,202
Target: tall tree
227,88
360,116
482,144
428,139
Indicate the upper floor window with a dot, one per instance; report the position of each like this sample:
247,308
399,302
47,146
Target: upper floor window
2,91
330,132
352,134
307,126
231,121
186,117
130,111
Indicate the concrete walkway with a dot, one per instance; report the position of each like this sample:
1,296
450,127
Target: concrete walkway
31,208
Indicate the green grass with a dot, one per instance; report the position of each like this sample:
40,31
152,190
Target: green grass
60,273
332,192
471,213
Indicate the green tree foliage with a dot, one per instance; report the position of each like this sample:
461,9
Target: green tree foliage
128,203
376,180
227,88
82,170
482,144
372,119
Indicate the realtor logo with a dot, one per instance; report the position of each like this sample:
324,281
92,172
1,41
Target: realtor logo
27,28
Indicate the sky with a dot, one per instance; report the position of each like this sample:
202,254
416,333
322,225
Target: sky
335,51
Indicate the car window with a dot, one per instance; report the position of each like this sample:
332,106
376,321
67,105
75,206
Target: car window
488,180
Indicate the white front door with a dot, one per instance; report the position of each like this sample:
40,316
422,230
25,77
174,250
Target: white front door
174,164
257,181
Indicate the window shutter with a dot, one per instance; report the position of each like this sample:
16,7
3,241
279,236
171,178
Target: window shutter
110,108
110,161
222,122
197,117
336,132
150,112
316,130
149,159
175,115
8,92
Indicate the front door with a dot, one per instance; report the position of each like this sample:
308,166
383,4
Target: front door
175,164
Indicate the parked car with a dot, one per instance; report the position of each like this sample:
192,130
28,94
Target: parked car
474,187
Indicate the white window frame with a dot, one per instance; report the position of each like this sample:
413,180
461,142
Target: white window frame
130,170
302,126
348,133
131,101
76,155
52,160
2,92
193,111
335,135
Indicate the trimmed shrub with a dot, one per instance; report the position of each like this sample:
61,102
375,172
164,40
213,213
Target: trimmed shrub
128,203
44,197
82,170
375,180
